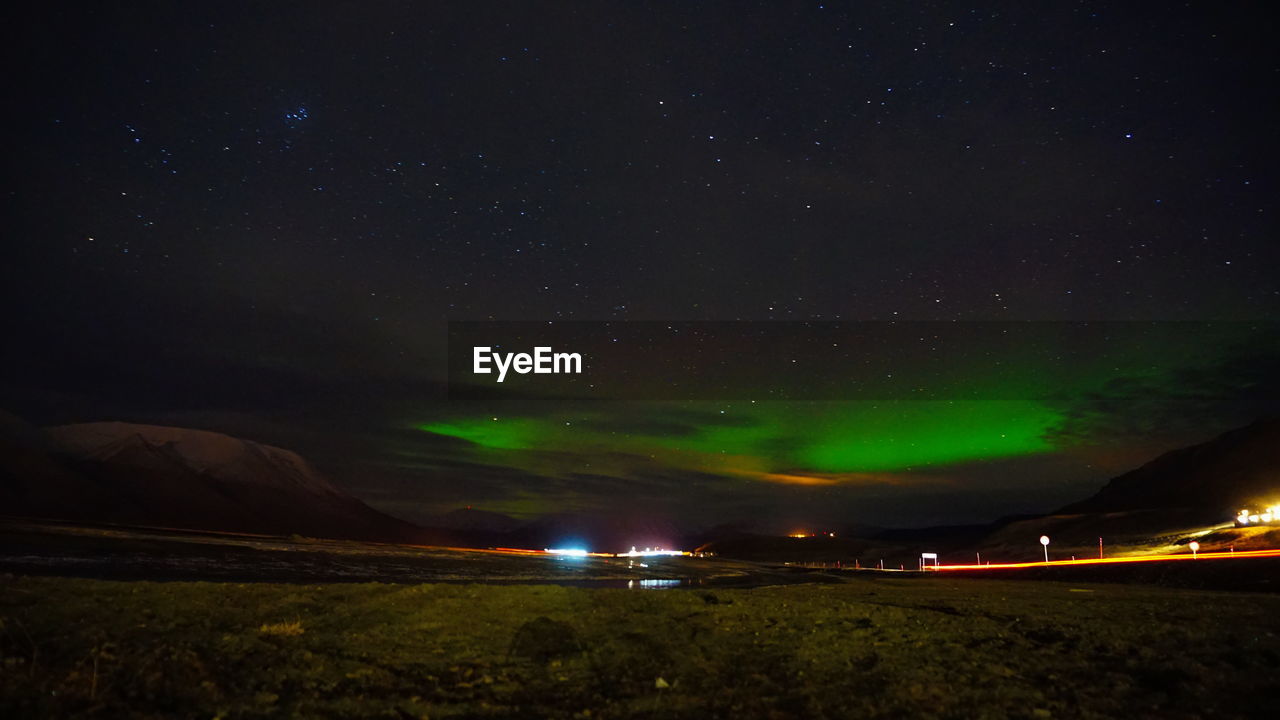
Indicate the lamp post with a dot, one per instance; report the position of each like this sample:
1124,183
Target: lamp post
1195,547
1044,540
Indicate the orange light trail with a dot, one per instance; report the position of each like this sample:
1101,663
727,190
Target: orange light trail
1115,560
548,553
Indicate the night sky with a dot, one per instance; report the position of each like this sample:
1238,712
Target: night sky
259,218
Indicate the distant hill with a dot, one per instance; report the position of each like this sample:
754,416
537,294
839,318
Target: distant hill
178,477
772,548
1213,479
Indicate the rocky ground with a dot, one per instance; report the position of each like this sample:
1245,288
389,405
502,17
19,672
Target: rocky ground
867,647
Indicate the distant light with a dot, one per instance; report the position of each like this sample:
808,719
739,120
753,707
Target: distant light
651,552
1267,516
1044,539
567,552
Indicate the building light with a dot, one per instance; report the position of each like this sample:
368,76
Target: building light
1267,516
651,552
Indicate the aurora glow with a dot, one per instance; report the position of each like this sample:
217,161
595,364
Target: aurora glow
1069,393
515,434
779,442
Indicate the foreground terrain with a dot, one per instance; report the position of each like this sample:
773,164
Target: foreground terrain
869,647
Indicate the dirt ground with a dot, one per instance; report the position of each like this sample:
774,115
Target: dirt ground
867,647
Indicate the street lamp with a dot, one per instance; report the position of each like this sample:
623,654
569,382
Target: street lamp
1044,540
1195,547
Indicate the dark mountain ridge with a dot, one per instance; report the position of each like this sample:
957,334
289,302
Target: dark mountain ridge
1213,479
176,477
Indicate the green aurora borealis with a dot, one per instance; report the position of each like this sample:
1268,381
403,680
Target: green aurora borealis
928,418
782,442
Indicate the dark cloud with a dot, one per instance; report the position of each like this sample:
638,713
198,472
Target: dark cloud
1184,402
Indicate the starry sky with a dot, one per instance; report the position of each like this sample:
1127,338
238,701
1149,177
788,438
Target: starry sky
260,219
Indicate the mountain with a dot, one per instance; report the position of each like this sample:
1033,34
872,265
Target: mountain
1213,479
178,477
1159,504
31,474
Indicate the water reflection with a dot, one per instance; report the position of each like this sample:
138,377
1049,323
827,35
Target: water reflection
654,583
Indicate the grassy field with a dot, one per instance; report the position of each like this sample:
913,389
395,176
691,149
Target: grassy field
920,647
